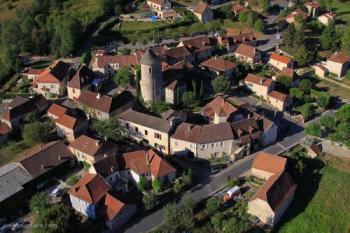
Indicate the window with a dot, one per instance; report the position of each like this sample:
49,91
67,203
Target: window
136,129
127,126
157,135
176,143
212,145
146,132
150,70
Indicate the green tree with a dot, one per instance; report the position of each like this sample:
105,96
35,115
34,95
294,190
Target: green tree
252,17
343,114
305,85
157,185
137,83
231,182
159,107
329,38
345,40
220,84
243,16
296,93
177,186
201,90
59,217
314,129
187,178
324,101
288,35
285,82
329,122
109,128
36,132
39,202
123,76
306,111
148,201
142,184
187,98
107,7
303,56
259,25
299,38
212,205
216,221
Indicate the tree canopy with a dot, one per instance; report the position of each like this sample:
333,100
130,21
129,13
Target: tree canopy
220,84
36,132
109,129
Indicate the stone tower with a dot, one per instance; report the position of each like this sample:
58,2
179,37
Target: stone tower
151,82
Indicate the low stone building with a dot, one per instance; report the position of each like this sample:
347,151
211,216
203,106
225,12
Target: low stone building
148,164
103,107
201,47
203,12
260,86
247,53
53,80
219,110
280,62
91,150
82,80
338,64
273,198
279,100
144,128
55,111
218,66
70,127
327,18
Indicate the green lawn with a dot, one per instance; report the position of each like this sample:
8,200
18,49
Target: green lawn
342,9
11,151
139,26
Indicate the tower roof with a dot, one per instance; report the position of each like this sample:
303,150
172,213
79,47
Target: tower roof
149,58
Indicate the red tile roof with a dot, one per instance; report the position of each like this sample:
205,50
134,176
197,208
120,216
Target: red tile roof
280,58
269,162
34,71
339,58
201,8
112,206
4,129
218,64
252,78
143,161
324,69
91,188
278,95
297,13
288,72
313,4
54,73
69,121
172,85
203,134
218,105
276,190
82,78
92,146
158,2
122,60
57,110
236,8
246,50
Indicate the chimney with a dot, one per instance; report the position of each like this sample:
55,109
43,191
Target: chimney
59,157
98,96
42,167
97,142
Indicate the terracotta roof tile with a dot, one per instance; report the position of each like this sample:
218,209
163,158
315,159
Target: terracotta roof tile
123,60
143,161
238,8
278,95
297,13
276,190
112,206
106,166
69,121
252,78
91,188
339,58
34,71
57,110
218,64
269,162
92,146
246,50
219,104
200,8
313,4
4,129
280,58
54,73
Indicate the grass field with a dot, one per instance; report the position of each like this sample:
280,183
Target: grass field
8,8
342,9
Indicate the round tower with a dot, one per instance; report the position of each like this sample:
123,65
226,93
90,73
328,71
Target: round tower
151,82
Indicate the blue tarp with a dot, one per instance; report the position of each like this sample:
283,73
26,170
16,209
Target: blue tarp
96,81
153,18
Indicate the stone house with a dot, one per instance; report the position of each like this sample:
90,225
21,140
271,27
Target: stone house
53,80
201,47
291,18
218,66
19,107
320,70
247,53
173,92
279,100
91,150
147,129
55,111
338,64
70,127
161,7
280,62
219,110
103,107
80,81
273,198
32,74
203,12
327,18
148,164
203,141
230,43
260,86
289,73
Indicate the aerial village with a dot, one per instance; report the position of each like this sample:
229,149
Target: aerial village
230,129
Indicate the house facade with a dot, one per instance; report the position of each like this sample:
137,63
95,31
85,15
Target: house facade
327,18
218,66
338,64
80,81
248,54
280,62
70,127
279,100
260,86
147,129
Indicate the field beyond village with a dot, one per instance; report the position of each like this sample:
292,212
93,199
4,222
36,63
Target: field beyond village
329,209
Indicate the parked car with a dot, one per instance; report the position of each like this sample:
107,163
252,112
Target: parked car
56,192
17,225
